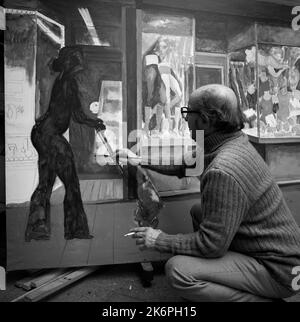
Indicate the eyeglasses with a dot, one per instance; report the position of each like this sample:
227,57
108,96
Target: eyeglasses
185,111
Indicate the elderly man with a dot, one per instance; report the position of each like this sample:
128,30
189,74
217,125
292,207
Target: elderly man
246,243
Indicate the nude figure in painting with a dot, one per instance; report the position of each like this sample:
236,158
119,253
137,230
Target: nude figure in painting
55,153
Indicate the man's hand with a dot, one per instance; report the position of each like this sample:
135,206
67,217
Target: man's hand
145,237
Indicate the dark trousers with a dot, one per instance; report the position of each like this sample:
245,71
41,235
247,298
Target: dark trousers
55,159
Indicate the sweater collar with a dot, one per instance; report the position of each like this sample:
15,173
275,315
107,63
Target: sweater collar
215,140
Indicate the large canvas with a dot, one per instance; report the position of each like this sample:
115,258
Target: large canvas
51,178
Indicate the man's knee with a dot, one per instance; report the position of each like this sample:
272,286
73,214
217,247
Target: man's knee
180,278
174,270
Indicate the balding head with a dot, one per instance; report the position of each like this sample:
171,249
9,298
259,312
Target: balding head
217,105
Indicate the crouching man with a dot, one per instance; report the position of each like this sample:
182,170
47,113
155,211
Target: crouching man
246,242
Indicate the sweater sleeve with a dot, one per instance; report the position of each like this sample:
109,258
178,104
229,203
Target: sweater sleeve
224,205
168,170
178,168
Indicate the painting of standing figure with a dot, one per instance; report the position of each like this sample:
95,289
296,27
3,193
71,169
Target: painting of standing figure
55,154
163,92
167,52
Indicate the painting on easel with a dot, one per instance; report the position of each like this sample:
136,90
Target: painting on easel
68,208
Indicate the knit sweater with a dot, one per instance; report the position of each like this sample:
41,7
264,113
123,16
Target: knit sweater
243,210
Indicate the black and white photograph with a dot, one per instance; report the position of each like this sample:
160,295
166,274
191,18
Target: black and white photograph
150,153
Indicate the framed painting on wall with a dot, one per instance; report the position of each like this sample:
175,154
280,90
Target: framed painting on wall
210,68
208,74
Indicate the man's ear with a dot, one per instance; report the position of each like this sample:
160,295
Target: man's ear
203,121
206,124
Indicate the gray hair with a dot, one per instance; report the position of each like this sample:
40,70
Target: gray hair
218,105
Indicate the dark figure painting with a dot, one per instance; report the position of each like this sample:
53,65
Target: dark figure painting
154,93
55,154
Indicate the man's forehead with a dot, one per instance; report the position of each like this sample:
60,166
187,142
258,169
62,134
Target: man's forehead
215,94
197,99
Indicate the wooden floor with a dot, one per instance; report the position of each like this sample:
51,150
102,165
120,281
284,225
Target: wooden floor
93,191
108,224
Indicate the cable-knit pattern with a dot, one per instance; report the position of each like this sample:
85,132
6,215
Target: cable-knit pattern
243,210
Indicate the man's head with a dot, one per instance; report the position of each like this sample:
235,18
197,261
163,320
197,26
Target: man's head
217,110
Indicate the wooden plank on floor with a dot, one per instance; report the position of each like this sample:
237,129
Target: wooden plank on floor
58,284
25,283
47,277
22,297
